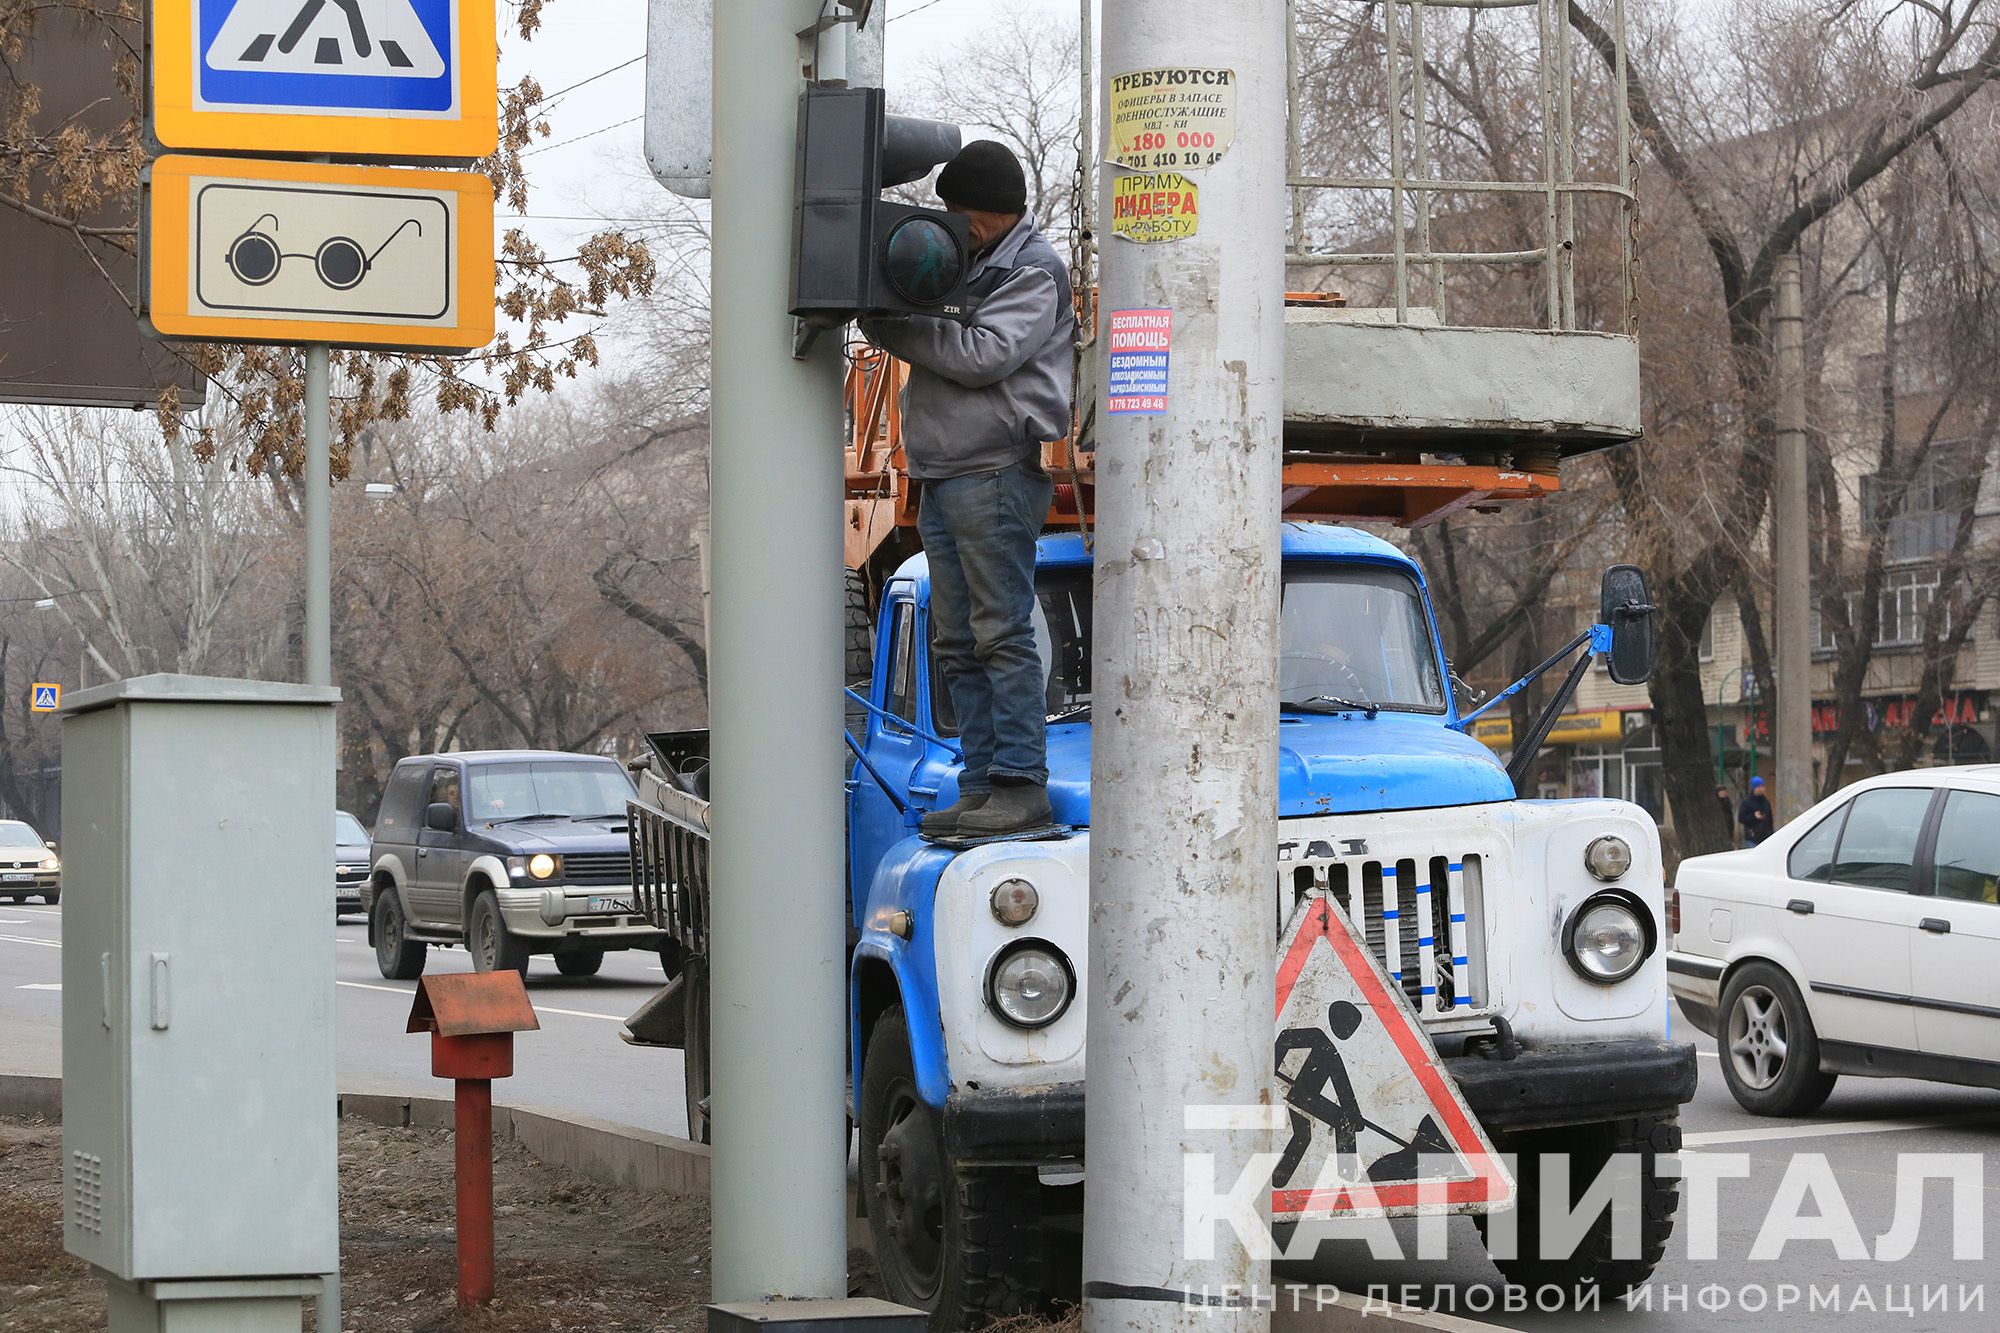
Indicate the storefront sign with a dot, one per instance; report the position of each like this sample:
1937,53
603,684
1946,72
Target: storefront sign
1596,728
1964,709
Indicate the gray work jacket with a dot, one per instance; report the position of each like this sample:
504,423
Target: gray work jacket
986,392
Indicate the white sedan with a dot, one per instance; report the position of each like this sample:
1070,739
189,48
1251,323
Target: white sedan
1861,938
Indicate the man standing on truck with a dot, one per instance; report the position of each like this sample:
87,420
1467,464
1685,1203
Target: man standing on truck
984,394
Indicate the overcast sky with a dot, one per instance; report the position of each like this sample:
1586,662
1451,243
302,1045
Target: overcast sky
591,166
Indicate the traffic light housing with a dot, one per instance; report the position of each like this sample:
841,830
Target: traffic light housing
854,252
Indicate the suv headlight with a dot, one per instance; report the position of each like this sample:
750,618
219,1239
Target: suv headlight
539,866
1030,984
1607,938
1608,857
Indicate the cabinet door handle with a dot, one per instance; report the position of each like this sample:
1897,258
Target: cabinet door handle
1935,925
160,996
1800,905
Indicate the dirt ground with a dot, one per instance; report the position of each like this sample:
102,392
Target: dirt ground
571,1254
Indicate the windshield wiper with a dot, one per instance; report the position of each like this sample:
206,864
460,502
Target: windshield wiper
516,819
1329,704
1073,713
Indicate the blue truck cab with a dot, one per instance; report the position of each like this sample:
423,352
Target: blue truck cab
967,1041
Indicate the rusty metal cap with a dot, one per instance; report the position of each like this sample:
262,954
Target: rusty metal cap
465,1004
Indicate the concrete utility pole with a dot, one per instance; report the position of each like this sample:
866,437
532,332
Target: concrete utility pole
775,480
1791,558
1184,761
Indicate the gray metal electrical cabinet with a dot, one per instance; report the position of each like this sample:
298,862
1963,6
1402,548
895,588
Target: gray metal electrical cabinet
198,941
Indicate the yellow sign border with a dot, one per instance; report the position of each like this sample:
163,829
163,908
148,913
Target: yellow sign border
36,688
166,258
179,127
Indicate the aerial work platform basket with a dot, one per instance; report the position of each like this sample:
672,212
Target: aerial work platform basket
1484,329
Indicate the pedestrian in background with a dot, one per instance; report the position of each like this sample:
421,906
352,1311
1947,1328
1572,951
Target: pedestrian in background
1755,814
1728,804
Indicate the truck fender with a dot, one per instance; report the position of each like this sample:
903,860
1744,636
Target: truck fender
888,969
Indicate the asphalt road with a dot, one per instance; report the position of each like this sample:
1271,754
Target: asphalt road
578,1064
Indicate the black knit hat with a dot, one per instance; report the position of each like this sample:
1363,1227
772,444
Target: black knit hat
985,176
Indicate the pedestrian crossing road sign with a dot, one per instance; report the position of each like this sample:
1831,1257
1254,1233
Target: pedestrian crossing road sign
391,80
244,250
44,698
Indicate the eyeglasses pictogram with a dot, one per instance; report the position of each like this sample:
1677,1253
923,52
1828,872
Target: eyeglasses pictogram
340,261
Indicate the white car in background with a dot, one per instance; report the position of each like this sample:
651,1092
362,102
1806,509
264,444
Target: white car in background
1861,938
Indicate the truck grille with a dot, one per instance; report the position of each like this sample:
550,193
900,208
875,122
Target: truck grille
1420,917
597,868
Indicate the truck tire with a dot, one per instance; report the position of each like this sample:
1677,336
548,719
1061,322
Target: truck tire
1594,1263
580,962
493,947
962,1243
695,1063
1769,1050
860,649
396,957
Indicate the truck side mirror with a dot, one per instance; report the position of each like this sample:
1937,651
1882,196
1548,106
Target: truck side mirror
439,817
1627,607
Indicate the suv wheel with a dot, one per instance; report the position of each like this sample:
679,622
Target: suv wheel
493,947
396,956
580,962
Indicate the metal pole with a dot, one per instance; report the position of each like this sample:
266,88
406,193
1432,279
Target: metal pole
775,706
1791,559
1184,768
472,1130
318,491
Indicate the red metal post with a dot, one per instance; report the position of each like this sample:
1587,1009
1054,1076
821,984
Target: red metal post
473,1108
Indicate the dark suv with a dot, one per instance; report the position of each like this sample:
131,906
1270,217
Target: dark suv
508,852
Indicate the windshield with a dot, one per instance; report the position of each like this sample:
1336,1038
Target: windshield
576,789
18,835
347,830
1358,636
1351,635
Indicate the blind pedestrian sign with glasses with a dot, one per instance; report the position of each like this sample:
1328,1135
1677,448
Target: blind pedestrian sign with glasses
256,251
376,79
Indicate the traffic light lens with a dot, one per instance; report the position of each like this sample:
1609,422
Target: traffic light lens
922,260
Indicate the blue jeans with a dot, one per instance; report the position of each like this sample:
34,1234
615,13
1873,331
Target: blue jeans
979,532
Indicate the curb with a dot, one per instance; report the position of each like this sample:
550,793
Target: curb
595,1149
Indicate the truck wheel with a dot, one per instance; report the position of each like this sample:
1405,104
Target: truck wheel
580,962
1770,1053
962,1243
493,947
1594,1263
859,641
397,958
694,1044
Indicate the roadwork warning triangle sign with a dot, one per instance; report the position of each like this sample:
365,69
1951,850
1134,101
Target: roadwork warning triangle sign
383,38
1375,1127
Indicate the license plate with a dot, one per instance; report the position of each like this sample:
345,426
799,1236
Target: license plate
610,905
11,878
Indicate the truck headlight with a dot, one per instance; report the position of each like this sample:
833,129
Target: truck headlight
1607,938
1030,984
1608,857
1015,902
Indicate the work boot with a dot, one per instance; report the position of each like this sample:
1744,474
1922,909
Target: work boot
944,823
1012,808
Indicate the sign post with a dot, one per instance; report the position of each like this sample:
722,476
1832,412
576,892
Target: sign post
271,219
